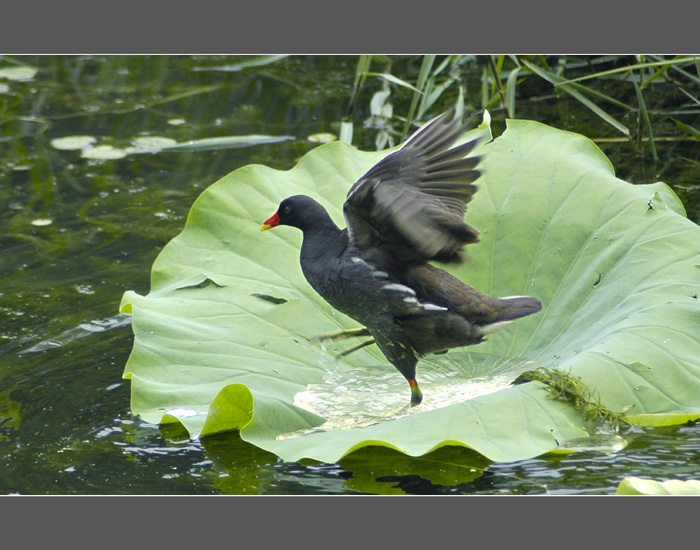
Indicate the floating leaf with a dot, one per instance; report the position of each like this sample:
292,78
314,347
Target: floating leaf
226,142
103,152
71,143
156,144
619,282
18,73
153,142
250,61
639,486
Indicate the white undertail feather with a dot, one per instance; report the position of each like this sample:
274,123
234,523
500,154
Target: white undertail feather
496,327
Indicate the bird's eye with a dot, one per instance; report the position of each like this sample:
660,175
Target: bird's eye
287,209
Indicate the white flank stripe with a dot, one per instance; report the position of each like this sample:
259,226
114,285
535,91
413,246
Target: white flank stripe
396,287
433,307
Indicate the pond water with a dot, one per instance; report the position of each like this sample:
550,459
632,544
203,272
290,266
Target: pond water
77,231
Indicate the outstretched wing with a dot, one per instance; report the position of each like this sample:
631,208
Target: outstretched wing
411,204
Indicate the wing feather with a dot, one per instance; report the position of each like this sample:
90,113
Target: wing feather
411,204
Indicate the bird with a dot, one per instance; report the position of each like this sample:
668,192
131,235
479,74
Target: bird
405,212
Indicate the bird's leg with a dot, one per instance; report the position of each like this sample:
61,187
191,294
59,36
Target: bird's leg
352,333
416,394
355,348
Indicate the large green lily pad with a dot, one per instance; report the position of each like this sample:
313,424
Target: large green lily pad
224,340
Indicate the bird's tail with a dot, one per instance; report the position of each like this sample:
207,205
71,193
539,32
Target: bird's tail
515,307
511,309
435,285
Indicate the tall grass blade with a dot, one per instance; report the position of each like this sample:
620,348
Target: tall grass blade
630,68
687,129
433,91
423,75
511,84
687,60
495,69
691,96
558,81
395,80
363,65
485,92
600,95
647,123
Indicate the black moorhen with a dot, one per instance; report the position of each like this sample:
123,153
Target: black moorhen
408,209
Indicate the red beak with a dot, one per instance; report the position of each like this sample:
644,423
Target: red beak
272,222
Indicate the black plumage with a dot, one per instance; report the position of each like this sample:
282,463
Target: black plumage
406,211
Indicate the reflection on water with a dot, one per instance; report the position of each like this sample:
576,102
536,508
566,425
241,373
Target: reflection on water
81,331
364,396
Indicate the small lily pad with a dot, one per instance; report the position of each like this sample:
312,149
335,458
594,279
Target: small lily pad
72,143
18,73
104,152
153,142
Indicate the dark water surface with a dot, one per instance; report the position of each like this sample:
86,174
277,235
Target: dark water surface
75,233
